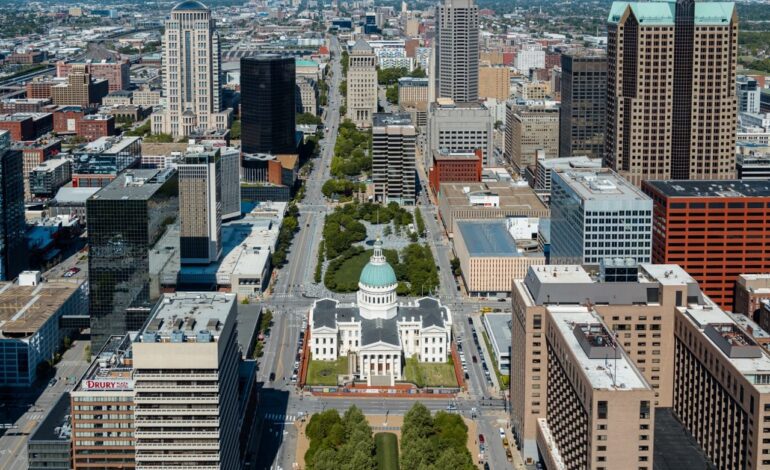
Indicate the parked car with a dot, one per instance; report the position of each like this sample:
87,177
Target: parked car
502,433
481,438
272,377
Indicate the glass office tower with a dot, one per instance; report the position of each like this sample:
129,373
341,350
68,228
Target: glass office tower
268,104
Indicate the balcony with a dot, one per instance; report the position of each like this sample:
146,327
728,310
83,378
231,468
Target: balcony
180,457
176,411
154,434
139,376
178,422
175,399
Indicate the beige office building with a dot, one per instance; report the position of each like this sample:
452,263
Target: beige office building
200,207
492,200
529,129
413,99
639,306
307,95
186,383
191,74
722,388
490,259
599,413
362,84
494,82
671,101
79,89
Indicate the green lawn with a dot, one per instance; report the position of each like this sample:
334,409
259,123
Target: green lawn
430,374
326,372
350,270
387,450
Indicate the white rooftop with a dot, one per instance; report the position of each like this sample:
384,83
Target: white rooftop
667,274
560,273
605,374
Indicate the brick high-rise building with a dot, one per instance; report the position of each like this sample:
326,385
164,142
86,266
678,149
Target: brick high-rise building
671,101
454,167
715,230
721,391
80,89
457,51
582,119
599,411
117,74
638,304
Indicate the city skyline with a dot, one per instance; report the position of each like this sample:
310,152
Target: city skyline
330,234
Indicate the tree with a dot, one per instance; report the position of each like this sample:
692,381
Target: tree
308,118
419,221
455,264
235,130
391,94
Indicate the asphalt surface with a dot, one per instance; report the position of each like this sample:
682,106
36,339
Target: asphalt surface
25,409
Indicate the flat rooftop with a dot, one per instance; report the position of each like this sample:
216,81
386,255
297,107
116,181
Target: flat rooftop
714,324
188,317
391,119
51,164
485,238
622,375
457,194
454,156
113,363
134,184
56,426
601,184
569,163
109,144
24,309
711,188
500,329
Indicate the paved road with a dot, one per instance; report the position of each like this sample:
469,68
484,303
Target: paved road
27,408
280,405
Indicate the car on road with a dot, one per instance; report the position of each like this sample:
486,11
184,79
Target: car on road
451,407
502,433
272,377
475,359
52,382
481,439
467,377
470,320
71,272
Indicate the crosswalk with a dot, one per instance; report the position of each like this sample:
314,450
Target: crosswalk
278,417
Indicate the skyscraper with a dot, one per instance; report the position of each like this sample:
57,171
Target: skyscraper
268,104
186,380
393,141
191,74
671,104
457,51
596,215
13,245
125,219
583,116
362,84
200,207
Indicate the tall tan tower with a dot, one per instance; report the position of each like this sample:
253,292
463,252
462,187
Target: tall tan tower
362,84
671,105
457,51
191,74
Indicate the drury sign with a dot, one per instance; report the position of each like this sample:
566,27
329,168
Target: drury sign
108,384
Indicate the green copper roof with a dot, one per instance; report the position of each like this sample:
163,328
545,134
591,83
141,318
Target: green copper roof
664,13
378,275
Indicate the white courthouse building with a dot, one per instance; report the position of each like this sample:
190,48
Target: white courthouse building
378,333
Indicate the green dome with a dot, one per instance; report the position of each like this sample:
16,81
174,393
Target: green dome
377,275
